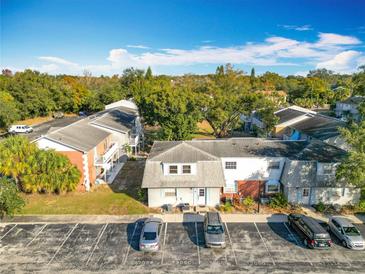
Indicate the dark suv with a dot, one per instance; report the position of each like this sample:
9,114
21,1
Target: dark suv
313,234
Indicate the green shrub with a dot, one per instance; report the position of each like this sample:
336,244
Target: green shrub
227,207
248,201
142,194
320,207
278,201
361,206
10,201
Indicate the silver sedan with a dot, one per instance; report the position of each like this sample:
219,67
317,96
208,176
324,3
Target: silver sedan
150,235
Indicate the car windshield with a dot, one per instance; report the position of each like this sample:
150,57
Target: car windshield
351,231
148,236
214,229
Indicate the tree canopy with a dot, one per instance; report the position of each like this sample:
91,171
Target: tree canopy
34,169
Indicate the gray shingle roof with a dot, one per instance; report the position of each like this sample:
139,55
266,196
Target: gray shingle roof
183,152
355,100
319,126
288,114
208,174
250,147
79,135
304,174
119,119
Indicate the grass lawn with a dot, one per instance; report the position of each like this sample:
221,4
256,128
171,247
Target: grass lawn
101,201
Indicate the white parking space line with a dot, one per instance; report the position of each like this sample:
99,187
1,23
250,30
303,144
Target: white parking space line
296,241
197,241
129,246
263,240
164,242
36,236
97,242
64,241
8,232
230,241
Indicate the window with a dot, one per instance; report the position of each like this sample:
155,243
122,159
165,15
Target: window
201,192
173,169
272,188
170,193
274,165
305,192
327,169
231,165
186,169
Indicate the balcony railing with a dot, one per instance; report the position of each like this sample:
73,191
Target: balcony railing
108,154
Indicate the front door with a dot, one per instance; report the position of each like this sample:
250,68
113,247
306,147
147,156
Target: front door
305,195
201,196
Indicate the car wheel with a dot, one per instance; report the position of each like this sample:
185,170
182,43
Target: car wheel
344,243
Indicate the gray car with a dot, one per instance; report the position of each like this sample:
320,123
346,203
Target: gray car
214,230
150,235
346,232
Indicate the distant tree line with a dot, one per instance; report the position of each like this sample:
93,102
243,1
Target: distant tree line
175,103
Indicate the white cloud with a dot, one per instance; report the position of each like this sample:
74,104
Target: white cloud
344,62
336,39
138,46
331,50
298,28
57,60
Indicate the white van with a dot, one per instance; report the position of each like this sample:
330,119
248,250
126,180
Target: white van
14,129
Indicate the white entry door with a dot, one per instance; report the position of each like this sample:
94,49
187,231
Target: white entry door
305,196
201,196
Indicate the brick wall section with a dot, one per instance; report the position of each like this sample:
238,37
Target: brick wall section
75,158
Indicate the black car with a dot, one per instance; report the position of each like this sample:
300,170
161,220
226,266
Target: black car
313,234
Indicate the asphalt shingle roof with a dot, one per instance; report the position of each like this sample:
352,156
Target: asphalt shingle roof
288,114
119,119
79,135
319,126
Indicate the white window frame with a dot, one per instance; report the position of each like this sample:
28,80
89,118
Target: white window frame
177,170
230,165
276,185
182,169
303,190
274,165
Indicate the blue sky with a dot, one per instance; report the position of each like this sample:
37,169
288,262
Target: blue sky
177,37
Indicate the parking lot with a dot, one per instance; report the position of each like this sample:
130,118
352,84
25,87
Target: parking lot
113,247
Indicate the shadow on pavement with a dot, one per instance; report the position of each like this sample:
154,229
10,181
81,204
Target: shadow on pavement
192,223
134,232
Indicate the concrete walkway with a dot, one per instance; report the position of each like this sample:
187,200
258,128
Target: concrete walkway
170,218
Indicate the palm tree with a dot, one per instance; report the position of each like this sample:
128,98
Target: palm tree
16,155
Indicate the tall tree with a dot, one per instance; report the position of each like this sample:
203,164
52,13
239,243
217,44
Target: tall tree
8,109
225,97
148,74
352,169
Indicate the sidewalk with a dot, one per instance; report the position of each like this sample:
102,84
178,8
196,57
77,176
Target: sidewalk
170,218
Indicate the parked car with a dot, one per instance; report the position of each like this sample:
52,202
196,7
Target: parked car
150,235
346,232
312,233
58,115
214,230
15,129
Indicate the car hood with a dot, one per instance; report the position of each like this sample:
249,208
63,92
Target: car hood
356,239
214,238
